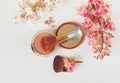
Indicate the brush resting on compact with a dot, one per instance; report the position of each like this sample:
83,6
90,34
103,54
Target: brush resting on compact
44,43
70,27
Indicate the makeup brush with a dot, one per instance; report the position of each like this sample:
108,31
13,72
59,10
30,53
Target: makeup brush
45,43
59,64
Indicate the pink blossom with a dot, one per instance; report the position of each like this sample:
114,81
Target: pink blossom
95,2
71,68
94,29
99,2
88,23
107,53
66,60
69,64
106,40
93,42
94,50
104,24
91,17
98,7
91,1
83,11
50,21
92,35
110,27
105,9
98,13
99,27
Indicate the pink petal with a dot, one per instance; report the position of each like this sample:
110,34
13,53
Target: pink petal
93,42
107,40
83,12
88,23
105,9
91,1
110,27
71,68
99,2
98,13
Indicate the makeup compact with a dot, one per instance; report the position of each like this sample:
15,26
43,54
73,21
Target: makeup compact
75,34
68,35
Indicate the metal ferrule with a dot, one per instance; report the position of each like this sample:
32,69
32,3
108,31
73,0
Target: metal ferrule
76,34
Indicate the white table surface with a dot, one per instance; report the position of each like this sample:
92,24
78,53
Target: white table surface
18,64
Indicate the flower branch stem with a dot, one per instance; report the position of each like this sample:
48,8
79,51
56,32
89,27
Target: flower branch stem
102,37
78,61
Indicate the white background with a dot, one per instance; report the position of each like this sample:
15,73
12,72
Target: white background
18,64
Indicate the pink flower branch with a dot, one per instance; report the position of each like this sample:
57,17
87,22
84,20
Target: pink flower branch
99,27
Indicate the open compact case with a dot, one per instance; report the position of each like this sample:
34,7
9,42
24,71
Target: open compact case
74,39
69,35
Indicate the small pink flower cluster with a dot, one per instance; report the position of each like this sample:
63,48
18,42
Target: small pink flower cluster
69,64
50,22
98,26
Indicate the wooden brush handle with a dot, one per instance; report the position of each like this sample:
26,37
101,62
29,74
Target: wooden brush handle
78,61
61,37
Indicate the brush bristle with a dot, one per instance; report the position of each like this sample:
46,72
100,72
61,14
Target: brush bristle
58,64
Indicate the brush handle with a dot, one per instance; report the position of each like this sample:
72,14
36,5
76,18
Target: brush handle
75,34
78,61
61,37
